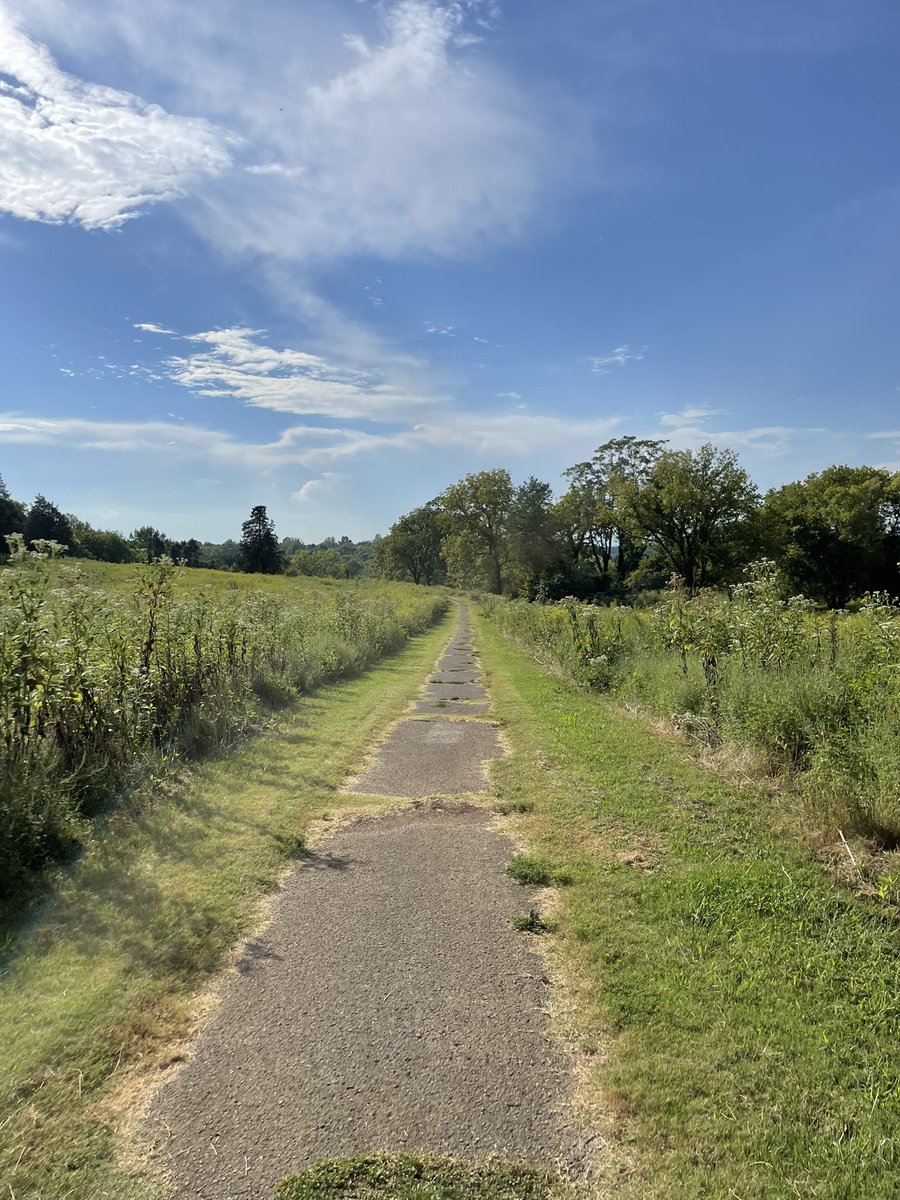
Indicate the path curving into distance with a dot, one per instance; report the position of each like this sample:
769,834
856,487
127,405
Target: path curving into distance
388,1005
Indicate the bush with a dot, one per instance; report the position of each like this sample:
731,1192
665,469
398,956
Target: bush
817,695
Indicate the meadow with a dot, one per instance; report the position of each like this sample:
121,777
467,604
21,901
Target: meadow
810,698
110,673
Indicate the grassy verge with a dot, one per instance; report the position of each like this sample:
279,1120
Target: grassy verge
739,1013
410,1177
108,978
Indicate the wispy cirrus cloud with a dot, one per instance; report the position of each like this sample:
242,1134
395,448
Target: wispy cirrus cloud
690,416
238,364
398,136
75,151
693,425
618,357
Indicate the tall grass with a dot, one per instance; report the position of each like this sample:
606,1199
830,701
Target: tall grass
816,696
95,682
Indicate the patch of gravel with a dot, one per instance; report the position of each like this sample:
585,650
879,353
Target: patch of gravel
389,1005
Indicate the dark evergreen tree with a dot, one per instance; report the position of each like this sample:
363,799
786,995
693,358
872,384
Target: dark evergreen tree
260,552
46,522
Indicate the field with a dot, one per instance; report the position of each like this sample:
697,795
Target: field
812,699
735,1011
110,673
98,998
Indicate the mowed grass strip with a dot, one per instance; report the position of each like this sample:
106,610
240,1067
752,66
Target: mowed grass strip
421,1177
108,979
739,1013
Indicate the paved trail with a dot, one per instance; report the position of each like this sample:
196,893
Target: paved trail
388,1005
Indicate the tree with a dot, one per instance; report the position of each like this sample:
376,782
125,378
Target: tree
476,514
149,544
12,515
325,564
535,548
45,522
187,553
221,556
693,507
104,545
836,534
412,549
260,553
595,504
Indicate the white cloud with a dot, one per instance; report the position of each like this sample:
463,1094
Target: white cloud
502,436
509,395
150,328
477,435
619,357
368,129
75,151
293,447
323,483
692,414
237,364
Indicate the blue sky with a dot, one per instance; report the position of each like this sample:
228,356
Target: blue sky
329,256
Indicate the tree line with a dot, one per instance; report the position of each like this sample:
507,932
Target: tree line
636,512
258,550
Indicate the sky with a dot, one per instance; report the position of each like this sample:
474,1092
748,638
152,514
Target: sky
331,255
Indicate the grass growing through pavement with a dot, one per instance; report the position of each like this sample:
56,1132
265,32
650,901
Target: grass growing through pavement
742,1012
108,976
409,1177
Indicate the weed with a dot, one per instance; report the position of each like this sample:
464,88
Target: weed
532,923
535,872
515,806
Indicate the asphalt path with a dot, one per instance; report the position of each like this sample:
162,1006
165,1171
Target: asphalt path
389,1004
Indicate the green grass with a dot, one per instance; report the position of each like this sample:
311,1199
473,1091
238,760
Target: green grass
429,1177
107,977
535,872
739,1013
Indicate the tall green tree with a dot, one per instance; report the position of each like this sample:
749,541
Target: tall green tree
595,504
260,552
536,551
412,548
149,544
476,515
187,553
46,522
693,507
836,534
